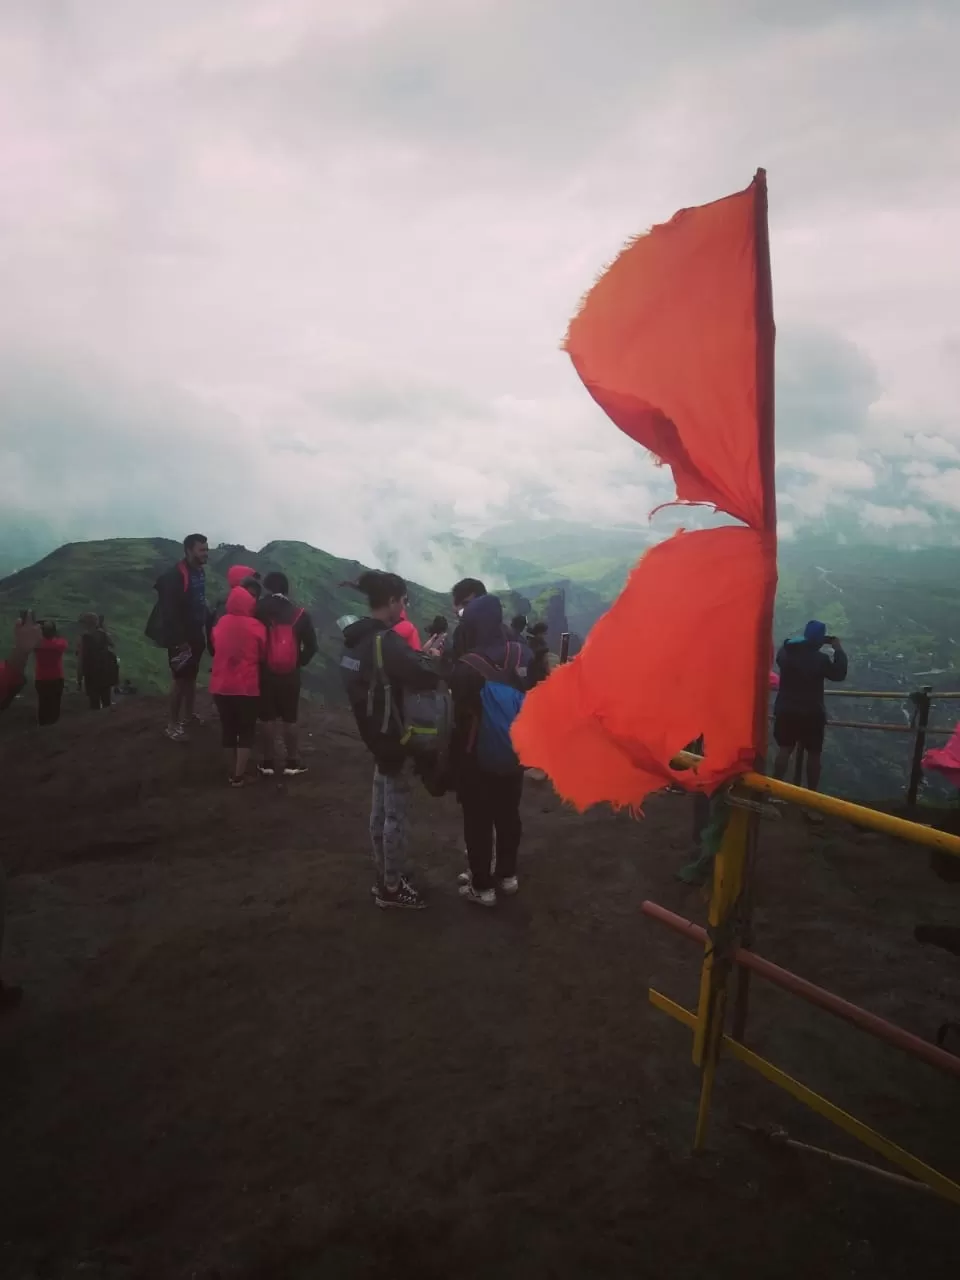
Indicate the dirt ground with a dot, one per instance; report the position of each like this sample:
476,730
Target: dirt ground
230,1064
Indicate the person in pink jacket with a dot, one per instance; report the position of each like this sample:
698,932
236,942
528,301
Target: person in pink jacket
406,630
239,647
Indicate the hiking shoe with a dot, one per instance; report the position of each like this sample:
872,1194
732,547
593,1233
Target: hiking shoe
176,732
482,897
10,998
293,769
237,783
464,878
405,896
266,770
508,885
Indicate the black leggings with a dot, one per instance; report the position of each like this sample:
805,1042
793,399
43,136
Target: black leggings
491,803
49,697
238,718
99,692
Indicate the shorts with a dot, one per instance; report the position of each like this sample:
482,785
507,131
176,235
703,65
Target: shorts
800,728
191,669
279,696
238,719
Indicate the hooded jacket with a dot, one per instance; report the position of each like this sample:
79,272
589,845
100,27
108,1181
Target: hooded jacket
237,574
403,668
278,610
803,669
240,646
481,631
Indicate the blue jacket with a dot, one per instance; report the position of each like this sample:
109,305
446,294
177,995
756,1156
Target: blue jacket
803,669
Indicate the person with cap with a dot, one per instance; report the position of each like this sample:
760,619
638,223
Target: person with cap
800,712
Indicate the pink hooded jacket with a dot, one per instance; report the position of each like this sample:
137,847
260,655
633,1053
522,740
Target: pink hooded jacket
239,647
236,574
407,631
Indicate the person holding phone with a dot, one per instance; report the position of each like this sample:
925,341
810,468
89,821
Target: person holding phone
800,711
26,637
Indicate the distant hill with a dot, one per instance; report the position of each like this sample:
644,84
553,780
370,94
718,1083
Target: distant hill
898,611
115,577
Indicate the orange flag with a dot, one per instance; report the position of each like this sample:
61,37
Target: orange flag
675,343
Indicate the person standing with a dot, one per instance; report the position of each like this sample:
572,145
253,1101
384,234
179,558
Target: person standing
27,636
180,623
800,710
488,683
48,674
291,644
378,667
97,670
239,649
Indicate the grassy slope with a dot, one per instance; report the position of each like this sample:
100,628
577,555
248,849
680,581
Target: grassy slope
115,577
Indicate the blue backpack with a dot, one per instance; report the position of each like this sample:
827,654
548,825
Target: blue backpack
500,701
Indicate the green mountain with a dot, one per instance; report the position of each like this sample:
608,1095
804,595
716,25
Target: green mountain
115,577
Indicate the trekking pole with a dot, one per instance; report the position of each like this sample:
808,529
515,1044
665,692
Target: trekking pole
564,647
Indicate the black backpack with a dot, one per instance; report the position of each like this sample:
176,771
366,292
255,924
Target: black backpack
99,660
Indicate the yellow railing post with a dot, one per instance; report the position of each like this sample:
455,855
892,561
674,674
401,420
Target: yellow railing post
728,877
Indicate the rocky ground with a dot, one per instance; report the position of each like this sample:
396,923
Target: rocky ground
229,1063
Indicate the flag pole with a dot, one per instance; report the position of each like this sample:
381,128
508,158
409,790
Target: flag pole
731,900
766,428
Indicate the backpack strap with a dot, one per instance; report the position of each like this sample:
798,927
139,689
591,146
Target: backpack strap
380,677
184,574
490,671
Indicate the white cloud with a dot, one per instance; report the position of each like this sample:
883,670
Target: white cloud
941,488
345,242
882,517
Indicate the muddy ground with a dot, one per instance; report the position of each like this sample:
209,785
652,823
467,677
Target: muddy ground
230,1064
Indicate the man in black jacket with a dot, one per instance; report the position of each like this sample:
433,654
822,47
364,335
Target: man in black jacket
800,711
181,624
291,643
377,667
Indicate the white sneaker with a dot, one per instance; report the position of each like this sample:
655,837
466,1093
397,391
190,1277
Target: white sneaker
509,885
464,877
176,733
482,897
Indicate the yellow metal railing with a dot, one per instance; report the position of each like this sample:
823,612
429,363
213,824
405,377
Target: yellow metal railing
710,1039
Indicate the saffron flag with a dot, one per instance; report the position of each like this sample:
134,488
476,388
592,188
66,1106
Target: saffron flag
675,343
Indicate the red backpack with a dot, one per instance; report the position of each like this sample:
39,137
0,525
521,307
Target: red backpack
283,648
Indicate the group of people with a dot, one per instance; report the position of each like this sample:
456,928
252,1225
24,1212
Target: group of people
487,667
259,646
97,668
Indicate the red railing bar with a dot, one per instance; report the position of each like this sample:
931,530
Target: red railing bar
813,994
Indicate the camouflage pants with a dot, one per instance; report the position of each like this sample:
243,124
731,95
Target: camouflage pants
388,825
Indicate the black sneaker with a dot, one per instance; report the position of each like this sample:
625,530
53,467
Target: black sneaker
404,896
293,769
266,769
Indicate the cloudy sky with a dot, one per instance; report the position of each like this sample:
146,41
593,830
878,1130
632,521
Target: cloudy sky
290,268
